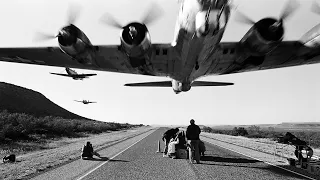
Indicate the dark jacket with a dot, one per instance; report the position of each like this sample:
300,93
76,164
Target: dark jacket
87,151
169,134
193,132
181,137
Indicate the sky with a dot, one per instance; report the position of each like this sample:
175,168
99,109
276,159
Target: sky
264,97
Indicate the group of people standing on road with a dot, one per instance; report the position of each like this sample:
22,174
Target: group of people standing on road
175,139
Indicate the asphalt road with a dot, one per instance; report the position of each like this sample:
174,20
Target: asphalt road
142,162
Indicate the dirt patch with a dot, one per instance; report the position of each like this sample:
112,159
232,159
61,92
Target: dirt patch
61,151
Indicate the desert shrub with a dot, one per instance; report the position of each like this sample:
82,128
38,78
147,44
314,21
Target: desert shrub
17,126
311,137
207,129
254,129
241,131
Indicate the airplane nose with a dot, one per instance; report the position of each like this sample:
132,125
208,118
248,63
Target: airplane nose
185,87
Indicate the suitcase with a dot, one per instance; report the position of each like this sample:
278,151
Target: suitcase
182,154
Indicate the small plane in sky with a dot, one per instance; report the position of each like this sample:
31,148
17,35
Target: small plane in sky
74,75
196,50
85,101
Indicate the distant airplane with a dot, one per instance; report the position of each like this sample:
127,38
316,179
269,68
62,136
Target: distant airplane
85,101
74,75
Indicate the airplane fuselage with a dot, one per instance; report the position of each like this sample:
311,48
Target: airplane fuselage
72,73
196,38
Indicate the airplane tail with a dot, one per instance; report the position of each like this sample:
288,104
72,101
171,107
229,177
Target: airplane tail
169,84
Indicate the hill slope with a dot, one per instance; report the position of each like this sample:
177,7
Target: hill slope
22,100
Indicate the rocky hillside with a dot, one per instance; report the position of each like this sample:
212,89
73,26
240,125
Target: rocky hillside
17,99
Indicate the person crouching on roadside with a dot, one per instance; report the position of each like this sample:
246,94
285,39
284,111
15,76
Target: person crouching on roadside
87,151
166,137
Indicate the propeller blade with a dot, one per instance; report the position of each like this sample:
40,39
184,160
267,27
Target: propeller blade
73,13
289,8
241,18
154,12
233,6
43,37
315,8
108,19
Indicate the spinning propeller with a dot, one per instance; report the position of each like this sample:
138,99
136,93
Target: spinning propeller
315,8
64,33
290,7
312,33
154,12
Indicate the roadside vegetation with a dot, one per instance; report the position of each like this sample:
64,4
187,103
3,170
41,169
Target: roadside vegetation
18,128
312,137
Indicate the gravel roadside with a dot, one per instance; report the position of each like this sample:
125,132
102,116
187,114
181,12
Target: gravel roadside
70,149
259,144
263,149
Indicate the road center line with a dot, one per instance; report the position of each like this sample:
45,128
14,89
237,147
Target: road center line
111,158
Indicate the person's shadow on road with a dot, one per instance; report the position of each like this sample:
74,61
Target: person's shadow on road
227,160
105,159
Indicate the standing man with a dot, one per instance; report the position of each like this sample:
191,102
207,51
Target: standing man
192,133
166,138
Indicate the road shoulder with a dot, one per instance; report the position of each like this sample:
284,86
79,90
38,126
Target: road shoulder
41,161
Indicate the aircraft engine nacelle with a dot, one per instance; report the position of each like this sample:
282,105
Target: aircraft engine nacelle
76,44
135,40
263,37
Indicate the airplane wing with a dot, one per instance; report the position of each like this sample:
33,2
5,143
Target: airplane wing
84,75
75,75
106,58
232,58
169,84
67,75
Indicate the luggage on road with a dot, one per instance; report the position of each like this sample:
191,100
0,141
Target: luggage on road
182,154
202,148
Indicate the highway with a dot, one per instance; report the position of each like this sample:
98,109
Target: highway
142,162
